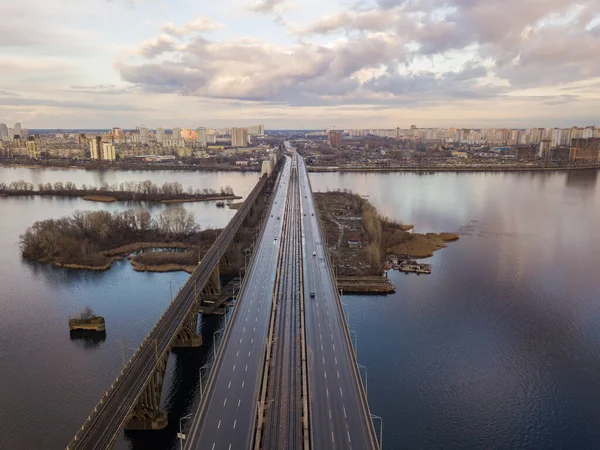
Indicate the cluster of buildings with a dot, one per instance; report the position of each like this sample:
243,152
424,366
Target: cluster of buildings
470,136
118,143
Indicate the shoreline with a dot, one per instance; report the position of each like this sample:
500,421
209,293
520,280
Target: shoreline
107,198
120,253
499,169
60,165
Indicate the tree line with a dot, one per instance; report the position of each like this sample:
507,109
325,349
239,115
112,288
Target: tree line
129,190
82,237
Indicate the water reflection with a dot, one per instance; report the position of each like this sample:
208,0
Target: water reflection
582,179
89,339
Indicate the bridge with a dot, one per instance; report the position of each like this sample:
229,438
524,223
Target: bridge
133,400
285,375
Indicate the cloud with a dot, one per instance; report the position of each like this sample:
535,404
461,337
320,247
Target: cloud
265,6
103,89
198,25
155,47
23,101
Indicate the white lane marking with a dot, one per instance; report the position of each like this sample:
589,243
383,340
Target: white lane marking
234,367
239,401
348,436
229,446
334,347
325,374
213,447
219,425
246,368
341,392
327,391
332,438
335,357
235,423
224,402
252,341
330,414
243,382
243,329
321,336
254,329
237,353
249,353
321,347
338,373
229,385
241,340
323,360
345,416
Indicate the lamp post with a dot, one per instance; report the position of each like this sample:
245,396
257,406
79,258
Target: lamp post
180,435
360,366
373,416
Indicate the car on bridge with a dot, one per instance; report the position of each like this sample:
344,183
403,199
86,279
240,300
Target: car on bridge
312,294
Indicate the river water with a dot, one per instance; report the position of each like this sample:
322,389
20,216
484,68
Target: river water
499,348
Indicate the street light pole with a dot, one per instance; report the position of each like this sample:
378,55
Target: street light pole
373,416
360,366
180,435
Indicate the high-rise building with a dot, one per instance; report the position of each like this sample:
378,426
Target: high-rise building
144,136
17,129
34,147
176,133
95,144
3,131
256,130
109,153
334,138
160,135
202,140
239,137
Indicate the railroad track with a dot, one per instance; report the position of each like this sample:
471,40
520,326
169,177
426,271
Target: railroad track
283,423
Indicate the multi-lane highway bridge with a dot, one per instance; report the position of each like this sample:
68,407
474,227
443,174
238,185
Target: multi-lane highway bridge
285,375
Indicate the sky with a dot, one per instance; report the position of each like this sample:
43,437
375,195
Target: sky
300,64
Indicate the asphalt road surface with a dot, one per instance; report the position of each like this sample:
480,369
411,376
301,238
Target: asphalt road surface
227,422
338,418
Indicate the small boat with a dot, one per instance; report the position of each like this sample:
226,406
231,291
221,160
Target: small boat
414,267
220,204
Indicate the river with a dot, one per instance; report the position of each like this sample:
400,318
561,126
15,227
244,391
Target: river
498,348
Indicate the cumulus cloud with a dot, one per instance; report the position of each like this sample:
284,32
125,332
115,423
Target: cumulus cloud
198,25
265,6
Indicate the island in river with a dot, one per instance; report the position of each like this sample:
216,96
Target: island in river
169,192
361,241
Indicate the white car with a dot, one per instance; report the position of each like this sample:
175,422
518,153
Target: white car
314,253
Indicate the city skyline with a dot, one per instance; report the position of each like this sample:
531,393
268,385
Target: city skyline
309,65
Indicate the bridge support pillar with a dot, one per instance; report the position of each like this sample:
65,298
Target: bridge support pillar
188,336
146,414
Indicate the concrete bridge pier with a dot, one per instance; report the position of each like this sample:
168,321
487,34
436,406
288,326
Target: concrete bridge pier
187,336
147,415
